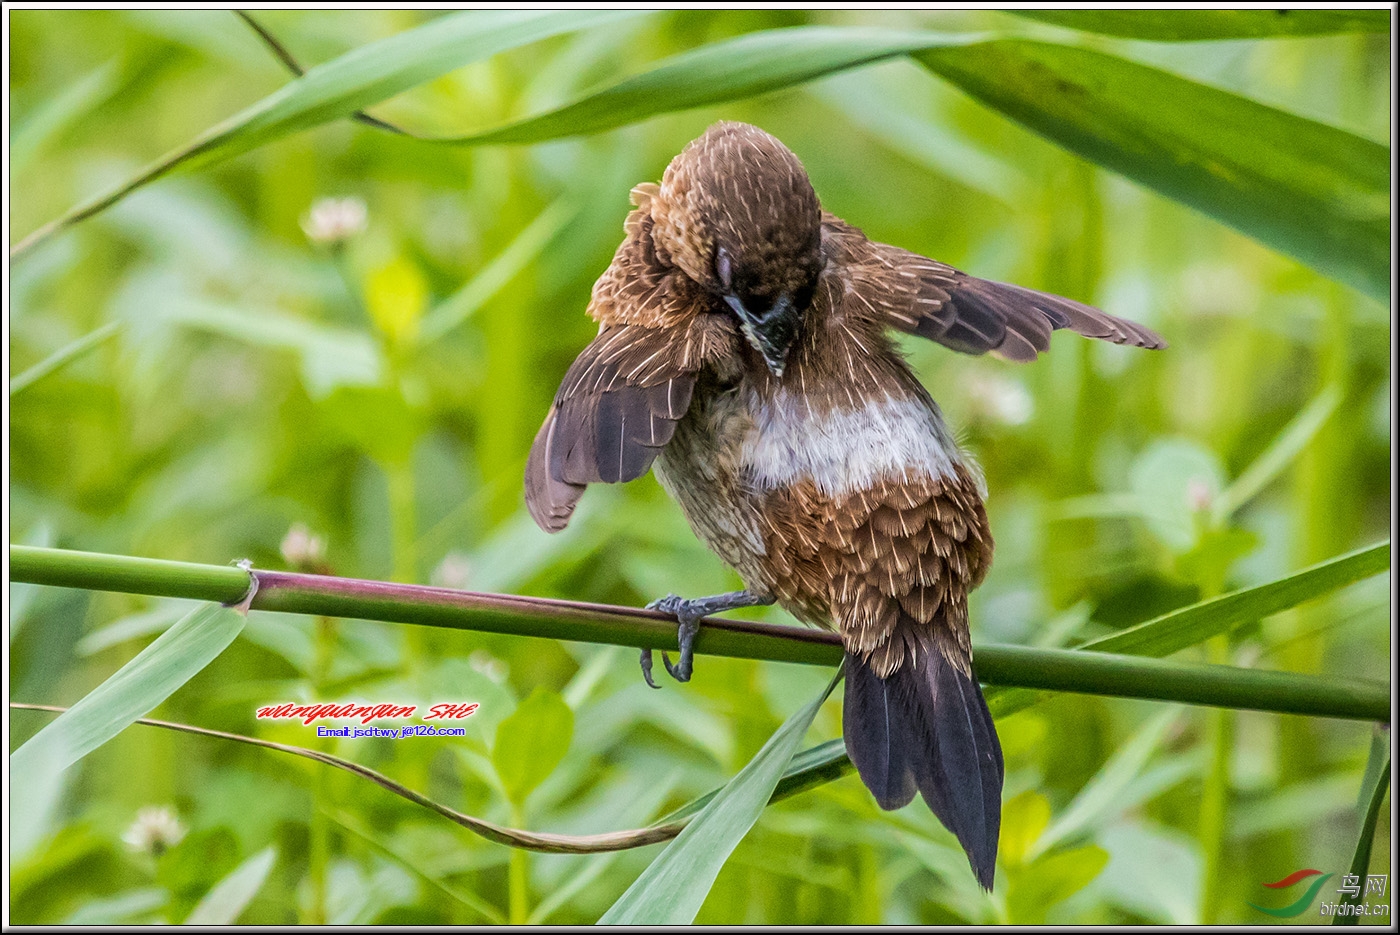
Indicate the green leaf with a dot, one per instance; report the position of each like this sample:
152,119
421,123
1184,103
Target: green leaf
1167,480
132,626
174,658
531,743
1289,443
331,357
64,355
481,288
1189,626
728,70
674,886
1373,789
1103,795
223,904
339,88
1187,25
1050,880
1023,821
1179,629
129,908
1317,193
50,121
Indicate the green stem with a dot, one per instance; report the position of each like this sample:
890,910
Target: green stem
1097,673
64,355
1215,797
518,879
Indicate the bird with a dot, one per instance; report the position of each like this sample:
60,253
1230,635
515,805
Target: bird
744,354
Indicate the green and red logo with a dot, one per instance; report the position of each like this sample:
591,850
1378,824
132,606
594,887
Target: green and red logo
1301,905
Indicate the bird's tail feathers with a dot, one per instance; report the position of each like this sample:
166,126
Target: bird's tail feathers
926,727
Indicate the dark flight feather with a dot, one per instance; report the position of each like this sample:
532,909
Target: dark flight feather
618,405
933,300
926,726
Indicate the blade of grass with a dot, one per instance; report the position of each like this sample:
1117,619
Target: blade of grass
281,53
171,660
1189,25
54,118
1373,789
494,276
1279,454
1105,790
1188,626
673,887
729,70
342,86
1314,192
64,355
466,897
223,904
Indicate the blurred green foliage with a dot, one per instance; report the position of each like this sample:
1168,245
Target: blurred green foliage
382,391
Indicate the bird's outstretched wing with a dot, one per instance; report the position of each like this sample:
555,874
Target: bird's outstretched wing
621,398
933,300
617,407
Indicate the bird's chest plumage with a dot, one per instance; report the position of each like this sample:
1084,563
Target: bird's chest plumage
769,473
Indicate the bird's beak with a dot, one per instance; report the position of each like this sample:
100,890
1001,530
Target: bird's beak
770,333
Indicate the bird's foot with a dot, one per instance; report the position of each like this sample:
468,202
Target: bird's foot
689,613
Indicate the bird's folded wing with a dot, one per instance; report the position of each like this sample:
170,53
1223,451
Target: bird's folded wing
933,300
618,405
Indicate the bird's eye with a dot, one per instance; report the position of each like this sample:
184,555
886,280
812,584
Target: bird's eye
724,269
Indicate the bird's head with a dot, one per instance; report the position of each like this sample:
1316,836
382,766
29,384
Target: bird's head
737,214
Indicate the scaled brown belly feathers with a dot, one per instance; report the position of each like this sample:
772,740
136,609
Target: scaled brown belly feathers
743,342
899,556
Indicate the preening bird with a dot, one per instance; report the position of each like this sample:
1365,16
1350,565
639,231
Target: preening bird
743,352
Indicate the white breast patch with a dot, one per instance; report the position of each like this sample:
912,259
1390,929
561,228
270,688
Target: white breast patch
842,451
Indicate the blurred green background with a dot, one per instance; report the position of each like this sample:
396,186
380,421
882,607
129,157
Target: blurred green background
380,393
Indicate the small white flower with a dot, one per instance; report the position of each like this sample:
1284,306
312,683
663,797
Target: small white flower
300,548
155,829
333,220
454,571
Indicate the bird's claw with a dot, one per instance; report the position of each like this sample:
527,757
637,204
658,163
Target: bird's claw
646,667
682,669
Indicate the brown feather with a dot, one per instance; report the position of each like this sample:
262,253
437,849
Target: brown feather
887,286
888,559
741,419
